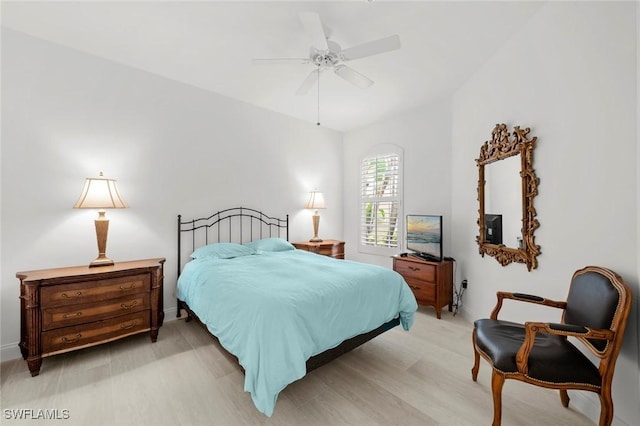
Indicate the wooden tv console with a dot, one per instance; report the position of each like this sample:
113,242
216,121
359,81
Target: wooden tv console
431,282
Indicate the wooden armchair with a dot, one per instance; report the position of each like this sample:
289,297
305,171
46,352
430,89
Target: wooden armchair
595,313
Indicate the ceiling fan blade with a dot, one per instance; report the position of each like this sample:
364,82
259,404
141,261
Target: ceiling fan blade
309,82
371,48
281,61
313,26
352,76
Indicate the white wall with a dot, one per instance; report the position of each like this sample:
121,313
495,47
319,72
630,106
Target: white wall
174,149
570,75
424,135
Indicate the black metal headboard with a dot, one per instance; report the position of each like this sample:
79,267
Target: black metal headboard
238,224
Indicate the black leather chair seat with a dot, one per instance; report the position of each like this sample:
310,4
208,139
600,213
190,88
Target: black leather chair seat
553,358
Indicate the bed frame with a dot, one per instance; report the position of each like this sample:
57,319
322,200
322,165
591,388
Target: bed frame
240,225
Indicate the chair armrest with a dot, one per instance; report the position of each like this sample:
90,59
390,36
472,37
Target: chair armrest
577,331
531,328
521,297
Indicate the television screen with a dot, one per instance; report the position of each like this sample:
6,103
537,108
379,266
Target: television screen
424,236
493,228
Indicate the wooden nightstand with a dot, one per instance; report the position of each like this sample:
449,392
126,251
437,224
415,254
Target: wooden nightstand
430,282
67,309
331,248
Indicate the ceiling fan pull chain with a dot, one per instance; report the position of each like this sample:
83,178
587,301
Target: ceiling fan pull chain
318,123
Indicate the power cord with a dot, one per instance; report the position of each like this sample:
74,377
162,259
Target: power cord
457,294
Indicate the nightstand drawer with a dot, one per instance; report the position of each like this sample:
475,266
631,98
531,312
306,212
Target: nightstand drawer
68,338
423,291
417,270
63,316
330,248
81,292
326,250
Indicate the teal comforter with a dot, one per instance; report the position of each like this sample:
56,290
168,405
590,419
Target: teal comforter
274,311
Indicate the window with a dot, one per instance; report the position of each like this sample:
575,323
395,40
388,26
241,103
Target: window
380,201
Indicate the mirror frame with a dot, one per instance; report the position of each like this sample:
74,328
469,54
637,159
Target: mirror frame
504,145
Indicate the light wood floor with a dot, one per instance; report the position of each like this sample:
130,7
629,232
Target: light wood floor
421,377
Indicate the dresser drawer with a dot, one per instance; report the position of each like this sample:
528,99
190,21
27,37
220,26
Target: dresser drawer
321,250
423,291
409,269
330,248
92,291
63,316
67,338
330,251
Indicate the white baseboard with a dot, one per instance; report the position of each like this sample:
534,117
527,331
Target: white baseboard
170,314
9,352
588,403
12,351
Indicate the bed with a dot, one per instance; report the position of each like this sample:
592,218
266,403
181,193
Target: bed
279,311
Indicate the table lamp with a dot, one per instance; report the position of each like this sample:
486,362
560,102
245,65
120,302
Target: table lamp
101,193
316,201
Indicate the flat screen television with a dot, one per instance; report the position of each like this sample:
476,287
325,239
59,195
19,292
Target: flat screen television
493,228
424,236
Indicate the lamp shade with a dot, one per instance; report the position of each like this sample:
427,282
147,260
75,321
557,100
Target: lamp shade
316,201
100,193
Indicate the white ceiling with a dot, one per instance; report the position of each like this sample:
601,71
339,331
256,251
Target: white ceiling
211,44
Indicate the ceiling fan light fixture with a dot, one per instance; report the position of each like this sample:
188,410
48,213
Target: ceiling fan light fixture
328,59
325,54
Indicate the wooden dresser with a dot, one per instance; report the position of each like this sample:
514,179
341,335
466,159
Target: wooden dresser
71,308
331,248
431,282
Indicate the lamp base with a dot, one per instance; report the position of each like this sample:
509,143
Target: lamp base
102,227
316,225
101,261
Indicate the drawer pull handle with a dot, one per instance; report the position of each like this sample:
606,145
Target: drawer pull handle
126,307
413,268
77,314
414,287
77,338
75,296
127,327
132,286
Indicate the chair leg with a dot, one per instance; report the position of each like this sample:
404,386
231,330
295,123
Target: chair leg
476,358
476,365
606,407
564,397
497,381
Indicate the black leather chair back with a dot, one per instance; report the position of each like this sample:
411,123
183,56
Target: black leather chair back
592,302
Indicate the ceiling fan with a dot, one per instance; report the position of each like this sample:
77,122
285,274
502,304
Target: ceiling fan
327,54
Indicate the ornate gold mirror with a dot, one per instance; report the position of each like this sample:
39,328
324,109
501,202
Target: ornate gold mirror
506,199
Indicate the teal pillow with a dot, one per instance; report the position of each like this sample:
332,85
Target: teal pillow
267,245
222,251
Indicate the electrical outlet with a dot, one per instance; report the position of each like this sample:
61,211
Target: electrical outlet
464,283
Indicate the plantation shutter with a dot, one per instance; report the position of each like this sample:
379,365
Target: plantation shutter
380,200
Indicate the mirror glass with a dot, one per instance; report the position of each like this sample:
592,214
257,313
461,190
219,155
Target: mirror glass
507,186
503,197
